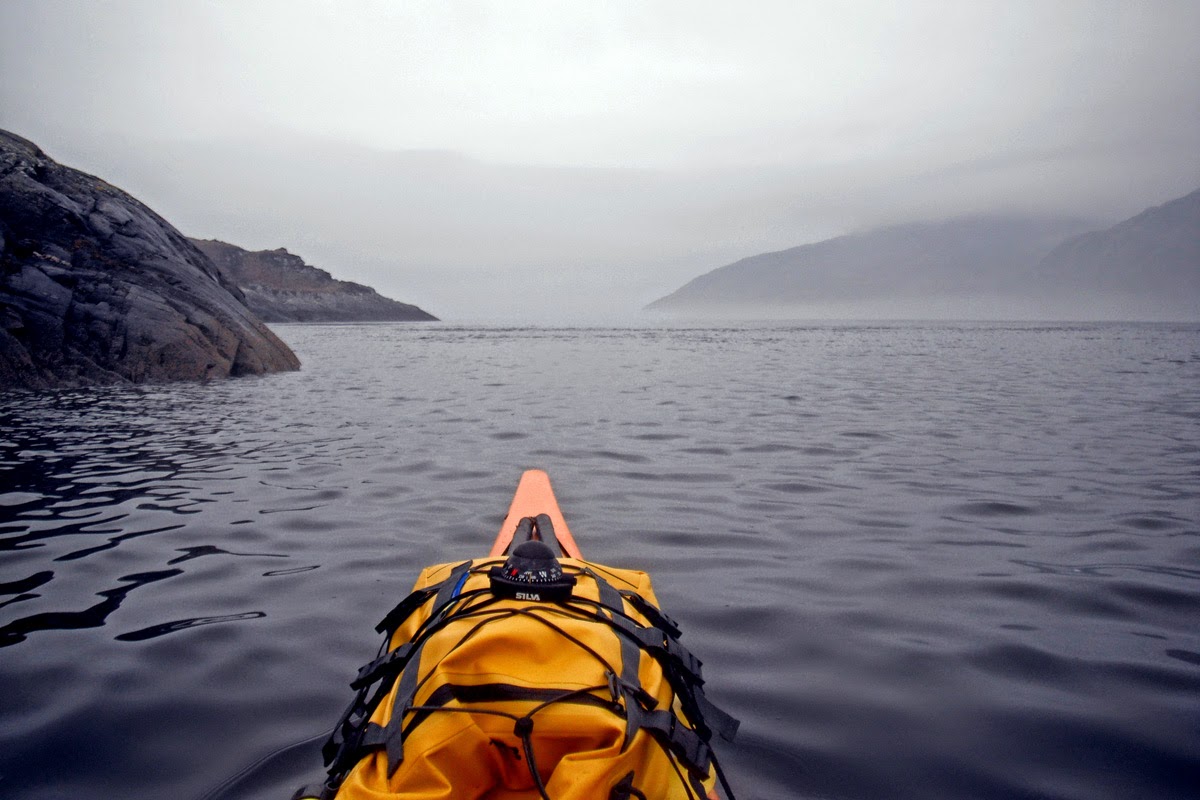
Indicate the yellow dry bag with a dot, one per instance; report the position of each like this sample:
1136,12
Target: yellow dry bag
528,677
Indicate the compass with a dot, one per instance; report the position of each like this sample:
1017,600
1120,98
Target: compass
532,573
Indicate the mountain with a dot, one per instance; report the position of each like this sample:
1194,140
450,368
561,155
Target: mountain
97,288
280,287
903,268
1152,258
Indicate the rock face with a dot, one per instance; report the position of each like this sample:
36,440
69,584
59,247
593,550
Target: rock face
280,287
97,288
985,256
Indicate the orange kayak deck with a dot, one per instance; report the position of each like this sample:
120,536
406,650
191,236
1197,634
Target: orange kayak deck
534,496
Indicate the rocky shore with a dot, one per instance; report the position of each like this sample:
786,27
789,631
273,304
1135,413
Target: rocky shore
96,288
280,287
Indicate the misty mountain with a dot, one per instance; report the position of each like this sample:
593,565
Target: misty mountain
280,287
1153,255
481,239
900,268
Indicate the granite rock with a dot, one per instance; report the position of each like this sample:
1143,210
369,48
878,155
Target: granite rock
280,287
96,288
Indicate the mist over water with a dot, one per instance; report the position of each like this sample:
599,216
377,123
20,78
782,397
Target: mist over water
918,560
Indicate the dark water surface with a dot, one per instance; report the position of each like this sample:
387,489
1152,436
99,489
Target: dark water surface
919,561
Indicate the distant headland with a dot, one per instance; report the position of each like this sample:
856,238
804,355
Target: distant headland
280,287
1147,267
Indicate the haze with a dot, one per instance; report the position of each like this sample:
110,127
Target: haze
549,161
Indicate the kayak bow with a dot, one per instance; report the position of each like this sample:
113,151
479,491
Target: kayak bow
534,497
527,676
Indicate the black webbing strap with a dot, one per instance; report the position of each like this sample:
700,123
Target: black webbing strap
449,589
659,642
406,692
723,723
350,721
367,737
388,664
655,640
391,663
610,598
625,790
445,591
373,736
404,609
502,692
692,751
656,616
348,742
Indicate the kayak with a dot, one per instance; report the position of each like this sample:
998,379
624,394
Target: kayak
529,674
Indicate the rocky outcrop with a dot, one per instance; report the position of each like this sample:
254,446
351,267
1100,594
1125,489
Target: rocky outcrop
280,287
97,288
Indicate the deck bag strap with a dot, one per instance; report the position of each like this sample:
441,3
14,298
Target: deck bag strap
406,692
387,665
364,740
663,647
656,616
392,663
449,589
374,737
349,726
333,745
445,590
683,670
692,751
610,598
706,717
720,721
659,642
656,641
501,692
625,790
405,608
630,655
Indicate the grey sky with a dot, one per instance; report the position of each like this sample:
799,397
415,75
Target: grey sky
592,156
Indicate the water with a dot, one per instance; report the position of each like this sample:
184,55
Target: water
919,561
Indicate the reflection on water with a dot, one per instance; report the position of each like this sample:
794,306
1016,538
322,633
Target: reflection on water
92,617
918,560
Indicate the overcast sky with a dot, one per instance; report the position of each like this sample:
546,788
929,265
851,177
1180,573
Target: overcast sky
593,156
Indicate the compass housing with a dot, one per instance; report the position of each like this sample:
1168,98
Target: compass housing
532,573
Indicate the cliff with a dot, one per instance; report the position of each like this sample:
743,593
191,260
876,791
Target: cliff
280,287
97,288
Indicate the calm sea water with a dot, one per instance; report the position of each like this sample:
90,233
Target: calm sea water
918,560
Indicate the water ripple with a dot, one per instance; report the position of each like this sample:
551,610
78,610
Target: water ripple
918,560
